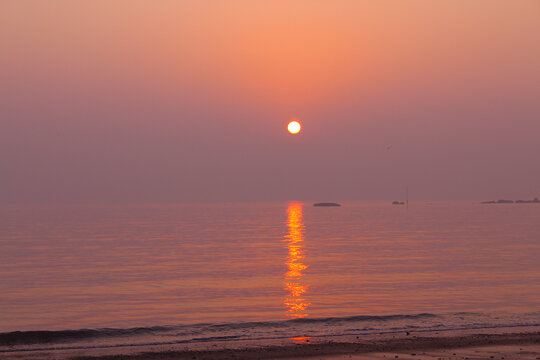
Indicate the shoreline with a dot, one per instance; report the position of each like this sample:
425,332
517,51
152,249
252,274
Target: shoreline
413,345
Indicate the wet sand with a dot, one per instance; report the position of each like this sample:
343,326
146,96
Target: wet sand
524,345
504,352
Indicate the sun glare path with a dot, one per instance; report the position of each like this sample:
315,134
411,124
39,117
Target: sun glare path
294,302
294,127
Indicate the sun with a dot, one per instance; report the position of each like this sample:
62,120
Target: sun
294,127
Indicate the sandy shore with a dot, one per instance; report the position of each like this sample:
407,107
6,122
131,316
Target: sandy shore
520,343
488,346
504,352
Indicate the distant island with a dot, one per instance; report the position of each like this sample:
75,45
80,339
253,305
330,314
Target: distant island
533,201
398,203
326,204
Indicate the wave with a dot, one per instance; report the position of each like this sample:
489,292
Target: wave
49,336
55,336
364,318
254,331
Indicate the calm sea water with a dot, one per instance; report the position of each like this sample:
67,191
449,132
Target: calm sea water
191,272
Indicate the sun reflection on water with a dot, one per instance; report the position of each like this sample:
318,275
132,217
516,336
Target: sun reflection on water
295,302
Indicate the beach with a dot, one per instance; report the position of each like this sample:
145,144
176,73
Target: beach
495,343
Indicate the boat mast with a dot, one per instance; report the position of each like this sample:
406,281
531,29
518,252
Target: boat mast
407,196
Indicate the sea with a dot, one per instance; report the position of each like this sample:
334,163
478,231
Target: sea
129,275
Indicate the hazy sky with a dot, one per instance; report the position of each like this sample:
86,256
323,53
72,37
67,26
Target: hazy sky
188,100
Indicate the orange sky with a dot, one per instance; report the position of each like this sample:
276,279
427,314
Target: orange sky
186,90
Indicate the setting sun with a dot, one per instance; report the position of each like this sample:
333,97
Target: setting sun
294,127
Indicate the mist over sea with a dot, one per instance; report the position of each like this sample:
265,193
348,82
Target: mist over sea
172,273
